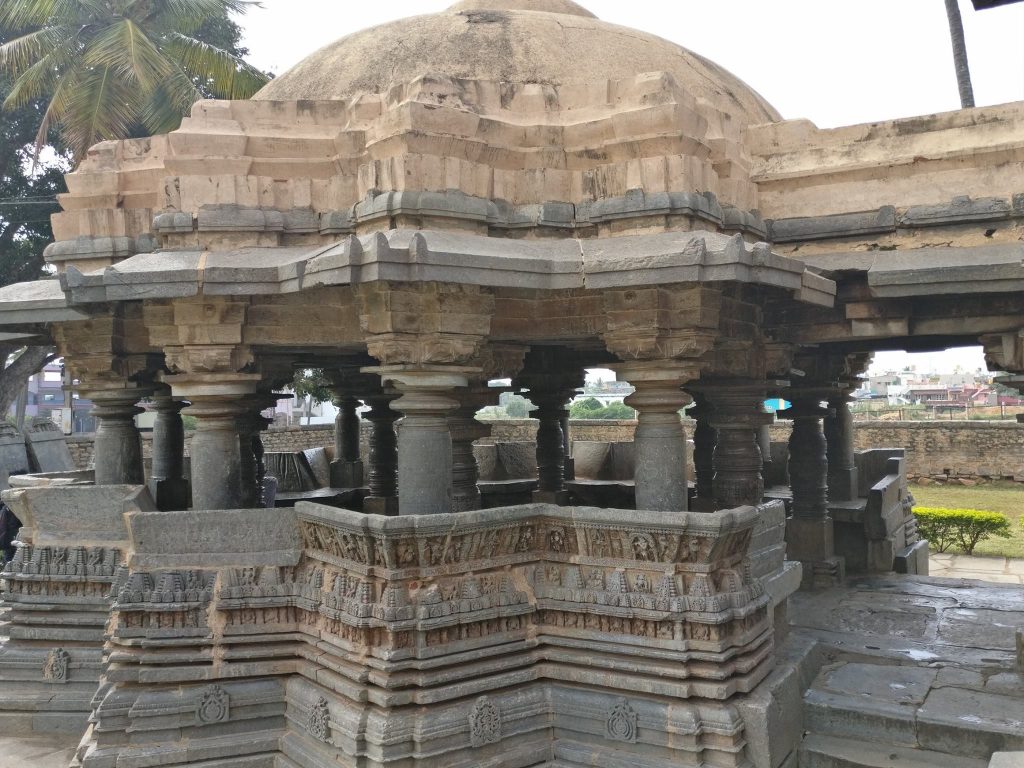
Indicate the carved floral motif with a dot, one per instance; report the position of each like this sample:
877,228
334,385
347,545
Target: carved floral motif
214,706
484,723
55,669
620,724
318,721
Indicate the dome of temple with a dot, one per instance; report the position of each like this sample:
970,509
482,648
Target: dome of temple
554,42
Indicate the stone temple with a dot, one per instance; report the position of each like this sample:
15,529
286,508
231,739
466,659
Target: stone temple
513,190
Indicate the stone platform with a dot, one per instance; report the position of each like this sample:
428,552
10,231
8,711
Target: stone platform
914,671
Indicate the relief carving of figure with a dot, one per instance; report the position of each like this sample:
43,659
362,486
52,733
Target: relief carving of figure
56,667
318,721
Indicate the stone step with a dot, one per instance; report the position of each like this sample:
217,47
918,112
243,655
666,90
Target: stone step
821,751
951,711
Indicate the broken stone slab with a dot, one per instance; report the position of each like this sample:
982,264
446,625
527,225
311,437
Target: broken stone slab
13,454
47,447
83,515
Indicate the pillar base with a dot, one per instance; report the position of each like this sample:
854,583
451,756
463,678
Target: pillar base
559,498
823,574
346,474
842,485
173,495
381,505
809,539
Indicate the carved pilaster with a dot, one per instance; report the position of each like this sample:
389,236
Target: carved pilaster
808,465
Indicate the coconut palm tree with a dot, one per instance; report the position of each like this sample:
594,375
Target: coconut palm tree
963,71
111,69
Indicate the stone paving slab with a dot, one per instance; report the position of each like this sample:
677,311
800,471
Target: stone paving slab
56,752
1002,570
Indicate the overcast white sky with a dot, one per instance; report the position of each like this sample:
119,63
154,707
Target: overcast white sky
832,62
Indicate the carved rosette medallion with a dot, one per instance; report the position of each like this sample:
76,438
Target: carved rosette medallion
318,721
621,723
484,723
214,706
55,669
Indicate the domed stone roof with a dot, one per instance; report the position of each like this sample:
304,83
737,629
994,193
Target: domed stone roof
553,42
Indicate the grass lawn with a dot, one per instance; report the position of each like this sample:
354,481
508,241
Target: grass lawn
1007,498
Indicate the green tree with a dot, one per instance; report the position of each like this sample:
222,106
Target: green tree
26,201
585,409
111,69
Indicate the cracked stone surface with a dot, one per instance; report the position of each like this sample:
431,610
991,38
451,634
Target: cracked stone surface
919,663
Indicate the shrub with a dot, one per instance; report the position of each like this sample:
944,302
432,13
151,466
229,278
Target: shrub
961,528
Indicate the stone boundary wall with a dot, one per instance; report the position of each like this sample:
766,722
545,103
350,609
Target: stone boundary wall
960,449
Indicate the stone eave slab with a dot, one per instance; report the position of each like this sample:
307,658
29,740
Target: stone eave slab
41,301
407,255
926,271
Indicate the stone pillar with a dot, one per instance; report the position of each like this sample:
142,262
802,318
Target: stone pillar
222,405
705,437
424,442
167,479
842,465
809,531
659,444
347,467
550,447
382,482
568,463
118,445
250,424
465,430
739,413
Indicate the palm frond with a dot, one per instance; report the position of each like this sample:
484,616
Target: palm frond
225,75
38,80
28,14
22,52
188,15
55,110
165,108
130,54
102,107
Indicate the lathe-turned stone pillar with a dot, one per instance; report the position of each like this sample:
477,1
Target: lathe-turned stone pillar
118,445
347,467
168,485
382,477
842,464
550,386
222,405
465,430
424,441
705,437
659,444
738,414
809,531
